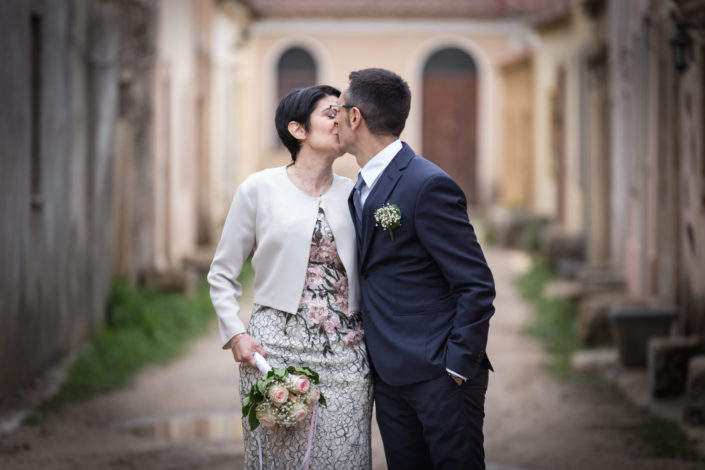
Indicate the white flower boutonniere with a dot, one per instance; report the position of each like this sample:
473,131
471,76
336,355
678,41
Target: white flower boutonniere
389,217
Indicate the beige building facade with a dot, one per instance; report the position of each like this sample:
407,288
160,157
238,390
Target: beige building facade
339,46
558,143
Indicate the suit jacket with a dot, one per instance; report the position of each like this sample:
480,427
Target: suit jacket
426,297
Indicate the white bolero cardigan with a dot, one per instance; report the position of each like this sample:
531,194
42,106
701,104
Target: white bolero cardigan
272,216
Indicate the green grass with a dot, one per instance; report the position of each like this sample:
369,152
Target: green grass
142,327
555,320
664,439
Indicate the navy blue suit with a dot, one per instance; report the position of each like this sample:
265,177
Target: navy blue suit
426,301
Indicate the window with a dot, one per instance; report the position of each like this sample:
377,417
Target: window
449,61
296,69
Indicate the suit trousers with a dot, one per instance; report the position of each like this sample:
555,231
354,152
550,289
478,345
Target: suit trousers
434,424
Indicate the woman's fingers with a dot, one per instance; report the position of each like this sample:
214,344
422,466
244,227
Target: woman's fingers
261,350
244,348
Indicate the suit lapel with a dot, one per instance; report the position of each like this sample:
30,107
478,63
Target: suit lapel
379,195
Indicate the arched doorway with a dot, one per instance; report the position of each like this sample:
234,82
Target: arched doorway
296,69
449,120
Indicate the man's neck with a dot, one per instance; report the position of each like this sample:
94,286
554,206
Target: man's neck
371,147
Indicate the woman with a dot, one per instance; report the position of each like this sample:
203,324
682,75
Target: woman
296,223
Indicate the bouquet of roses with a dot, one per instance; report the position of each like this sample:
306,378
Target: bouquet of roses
281,397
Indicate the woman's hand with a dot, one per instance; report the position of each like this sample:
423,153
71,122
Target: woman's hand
244,347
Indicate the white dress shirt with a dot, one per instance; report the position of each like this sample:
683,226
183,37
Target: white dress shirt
371,171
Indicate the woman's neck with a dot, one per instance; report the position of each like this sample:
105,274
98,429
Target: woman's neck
313,175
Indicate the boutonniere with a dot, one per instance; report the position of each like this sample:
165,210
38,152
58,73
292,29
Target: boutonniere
389,217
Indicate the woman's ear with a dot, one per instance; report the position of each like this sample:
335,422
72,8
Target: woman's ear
297,130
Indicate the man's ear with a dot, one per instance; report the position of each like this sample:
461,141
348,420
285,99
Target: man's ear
355,118
297,130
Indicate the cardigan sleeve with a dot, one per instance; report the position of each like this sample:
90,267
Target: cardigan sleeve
236,244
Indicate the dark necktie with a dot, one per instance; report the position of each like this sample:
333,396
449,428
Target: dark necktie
357,200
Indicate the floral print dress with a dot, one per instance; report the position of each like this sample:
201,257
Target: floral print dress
326,336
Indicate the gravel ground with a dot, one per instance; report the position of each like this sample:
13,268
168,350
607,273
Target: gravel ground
185,415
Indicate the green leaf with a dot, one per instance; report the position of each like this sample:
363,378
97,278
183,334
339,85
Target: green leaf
262,387
322,400
246,405
254,422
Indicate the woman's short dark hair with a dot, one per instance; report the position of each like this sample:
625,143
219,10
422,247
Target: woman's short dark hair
383,97
298,106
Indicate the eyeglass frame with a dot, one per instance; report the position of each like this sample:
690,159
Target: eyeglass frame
346,106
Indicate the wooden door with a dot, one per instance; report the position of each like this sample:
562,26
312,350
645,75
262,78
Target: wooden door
450,117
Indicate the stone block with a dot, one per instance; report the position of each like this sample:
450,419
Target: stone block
600,279
668,363
565,251
557,243
169,281
594,327
633,325
516,228
694,407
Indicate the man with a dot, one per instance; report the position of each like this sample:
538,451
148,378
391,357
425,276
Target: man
426,289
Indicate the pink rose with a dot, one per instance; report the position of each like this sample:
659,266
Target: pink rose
278,394
352,339
325,251
265,415
299,384
341,286
341,301
298,412
313,278
317,310
332,324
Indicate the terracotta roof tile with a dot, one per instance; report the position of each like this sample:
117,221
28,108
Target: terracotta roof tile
402,8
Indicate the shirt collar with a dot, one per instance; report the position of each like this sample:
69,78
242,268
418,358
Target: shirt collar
371,171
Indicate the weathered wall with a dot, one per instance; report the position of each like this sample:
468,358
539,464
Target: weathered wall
691,144
134,173
74,75
56,205
657,121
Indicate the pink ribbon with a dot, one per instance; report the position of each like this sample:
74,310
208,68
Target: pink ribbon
311,431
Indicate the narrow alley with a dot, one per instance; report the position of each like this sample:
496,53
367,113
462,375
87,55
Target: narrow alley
186,415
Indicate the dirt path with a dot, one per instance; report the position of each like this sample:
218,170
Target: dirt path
533,422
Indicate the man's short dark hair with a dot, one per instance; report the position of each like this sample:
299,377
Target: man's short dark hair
383,97
298,106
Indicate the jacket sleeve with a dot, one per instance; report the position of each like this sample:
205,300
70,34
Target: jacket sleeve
443,228
236,244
